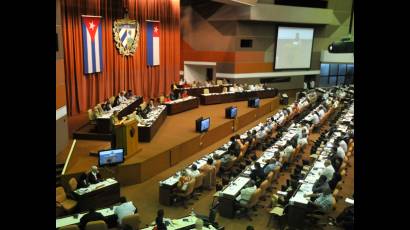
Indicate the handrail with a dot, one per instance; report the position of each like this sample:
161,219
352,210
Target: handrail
69,156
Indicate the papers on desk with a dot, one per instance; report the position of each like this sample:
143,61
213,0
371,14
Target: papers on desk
235,187
282,193
349,201
75,220
93,187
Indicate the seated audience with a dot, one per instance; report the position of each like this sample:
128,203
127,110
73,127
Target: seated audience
94,176
159,220
258,175
320,185
92,215
83,181
107,105
184,94
193,172
152,104
323,202
129,94
328,171
167,99
183,181
123,210
271,165
246,193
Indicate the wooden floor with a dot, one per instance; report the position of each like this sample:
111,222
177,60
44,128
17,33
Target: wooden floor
175,130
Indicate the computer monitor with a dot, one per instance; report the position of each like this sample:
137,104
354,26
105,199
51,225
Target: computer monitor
110,157
205,124
257,101
231,112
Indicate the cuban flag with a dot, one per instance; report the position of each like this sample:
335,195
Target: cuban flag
92,44
153,43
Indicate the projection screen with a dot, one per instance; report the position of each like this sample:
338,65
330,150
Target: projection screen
293,48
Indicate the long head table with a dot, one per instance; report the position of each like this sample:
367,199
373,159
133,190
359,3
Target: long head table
216,98
181,105
104,121
197,91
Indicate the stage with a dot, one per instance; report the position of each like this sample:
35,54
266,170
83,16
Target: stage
175,140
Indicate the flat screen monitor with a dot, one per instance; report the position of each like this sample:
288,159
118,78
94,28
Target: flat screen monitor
110,157
257,101
234,112
205,124
231,112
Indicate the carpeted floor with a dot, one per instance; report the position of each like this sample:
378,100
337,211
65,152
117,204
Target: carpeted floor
145,195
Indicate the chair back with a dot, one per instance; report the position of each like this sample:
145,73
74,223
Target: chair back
91,116
199,180
96,225
343,173
269,177
254,198
73,183
264,185
60,194
161,99
206,91
219,82
70,227
217,166
191,187
132,220
224,89
335,192
333,202
274,199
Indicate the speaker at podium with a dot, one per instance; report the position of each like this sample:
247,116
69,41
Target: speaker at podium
126,137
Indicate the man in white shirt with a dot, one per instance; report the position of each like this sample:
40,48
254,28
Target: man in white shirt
343,144
315,118
328,171
340,153
125,209
121,98
246,193
194,172
321,112
251,87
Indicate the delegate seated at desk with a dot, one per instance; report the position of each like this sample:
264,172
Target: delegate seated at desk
184,94
159,220
129,94
123,210
83,181
257,175
193,172
94,176
323,202
271,165
167,99
328,171
246,193
107,105
92,215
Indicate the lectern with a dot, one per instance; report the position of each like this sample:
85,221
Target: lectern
126,136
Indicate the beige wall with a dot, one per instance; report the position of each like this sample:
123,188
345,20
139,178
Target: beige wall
206,39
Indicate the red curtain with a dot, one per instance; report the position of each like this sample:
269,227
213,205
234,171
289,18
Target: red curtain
119,72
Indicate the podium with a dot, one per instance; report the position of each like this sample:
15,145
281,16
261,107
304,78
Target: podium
126,136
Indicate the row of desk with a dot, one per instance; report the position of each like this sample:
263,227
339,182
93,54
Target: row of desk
197,91
150,126
124,109
217,98
227,197
181,105
298,202
99,196
184,223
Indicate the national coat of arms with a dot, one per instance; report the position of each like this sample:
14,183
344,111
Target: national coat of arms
126,35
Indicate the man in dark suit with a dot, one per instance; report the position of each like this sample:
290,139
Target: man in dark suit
94,176
92,215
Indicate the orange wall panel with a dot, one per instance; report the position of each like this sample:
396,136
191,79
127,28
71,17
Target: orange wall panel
253,67
249,56
60,96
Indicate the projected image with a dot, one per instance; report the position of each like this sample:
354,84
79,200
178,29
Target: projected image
293,48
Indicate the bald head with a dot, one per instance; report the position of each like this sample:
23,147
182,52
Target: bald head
327,163
94,168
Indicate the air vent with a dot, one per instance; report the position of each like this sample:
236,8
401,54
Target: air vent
246,43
